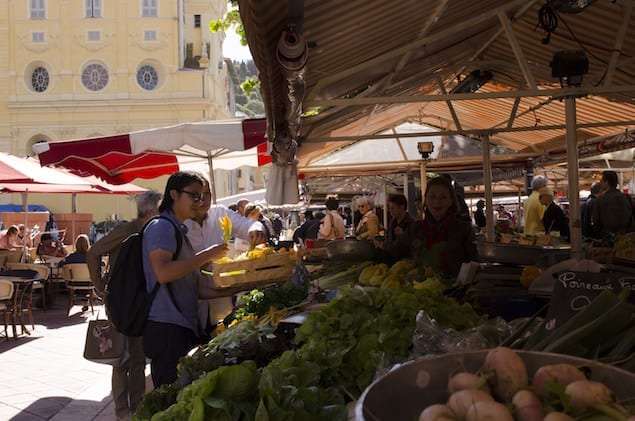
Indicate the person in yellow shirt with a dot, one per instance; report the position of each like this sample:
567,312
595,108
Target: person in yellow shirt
534,210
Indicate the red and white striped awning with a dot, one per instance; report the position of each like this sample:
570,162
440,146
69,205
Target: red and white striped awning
150,153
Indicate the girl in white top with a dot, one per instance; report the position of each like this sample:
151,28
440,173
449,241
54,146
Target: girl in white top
332,226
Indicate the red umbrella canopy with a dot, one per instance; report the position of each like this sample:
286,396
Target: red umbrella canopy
24,174
151,153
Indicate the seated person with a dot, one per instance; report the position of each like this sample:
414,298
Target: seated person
82,244
9,239
21,236
50,248
443,240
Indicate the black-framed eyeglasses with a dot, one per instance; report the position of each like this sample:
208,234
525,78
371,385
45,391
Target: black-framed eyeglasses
195,196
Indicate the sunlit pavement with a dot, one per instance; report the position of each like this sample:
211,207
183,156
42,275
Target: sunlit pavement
44,375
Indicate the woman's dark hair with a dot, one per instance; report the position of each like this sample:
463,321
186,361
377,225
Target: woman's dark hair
13,229
332,203
178,181
447,184
399,200
45,237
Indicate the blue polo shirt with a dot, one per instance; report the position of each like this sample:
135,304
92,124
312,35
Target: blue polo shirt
159,234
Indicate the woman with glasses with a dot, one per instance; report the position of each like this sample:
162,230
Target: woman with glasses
369,225
172,328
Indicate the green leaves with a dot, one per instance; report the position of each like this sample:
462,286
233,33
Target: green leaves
366,329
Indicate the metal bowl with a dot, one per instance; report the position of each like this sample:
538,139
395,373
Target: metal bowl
409,388
520,254
350,250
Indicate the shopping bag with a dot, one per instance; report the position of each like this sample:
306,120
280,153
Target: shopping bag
104,344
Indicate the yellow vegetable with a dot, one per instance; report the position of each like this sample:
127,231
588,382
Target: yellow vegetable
226,226
402,267
529,274
391,281
373,275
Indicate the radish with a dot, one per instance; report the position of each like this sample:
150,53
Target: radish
585,393
528,406
558,416
510,372
466,380
460,401
488,410
437,412
562,373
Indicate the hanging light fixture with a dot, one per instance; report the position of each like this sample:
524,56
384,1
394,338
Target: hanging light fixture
473,82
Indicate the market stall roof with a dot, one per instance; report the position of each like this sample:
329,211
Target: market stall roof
371,65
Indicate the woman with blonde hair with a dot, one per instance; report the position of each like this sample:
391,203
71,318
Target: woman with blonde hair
82,245
369,226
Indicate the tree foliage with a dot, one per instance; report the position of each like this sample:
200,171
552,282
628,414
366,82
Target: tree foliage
244,74
246,88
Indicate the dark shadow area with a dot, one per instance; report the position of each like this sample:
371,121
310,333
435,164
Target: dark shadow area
44,408
54,317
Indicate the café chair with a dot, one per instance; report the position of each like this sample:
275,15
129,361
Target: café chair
6,292
39,286
80,288
15,307
15,255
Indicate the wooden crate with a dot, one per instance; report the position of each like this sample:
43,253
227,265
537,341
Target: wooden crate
252,271
314,253
601,254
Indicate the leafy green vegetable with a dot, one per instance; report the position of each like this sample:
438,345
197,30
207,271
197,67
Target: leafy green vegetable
366,329
290,390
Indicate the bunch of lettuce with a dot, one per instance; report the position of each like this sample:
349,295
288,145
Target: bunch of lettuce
289,390
228,393
366,329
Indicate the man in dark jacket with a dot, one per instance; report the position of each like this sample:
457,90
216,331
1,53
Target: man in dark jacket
128,379
588,230
309,229
613,210
396,245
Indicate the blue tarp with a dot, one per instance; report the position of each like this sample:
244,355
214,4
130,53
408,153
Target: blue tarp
18,208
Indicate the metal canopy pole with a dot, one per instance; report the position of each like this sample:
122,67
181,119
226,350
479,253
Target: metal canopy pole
424,184
212,182
574,188
487,184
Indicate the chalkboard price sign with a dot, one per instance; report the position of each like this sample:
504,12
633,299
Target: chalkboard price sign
573,291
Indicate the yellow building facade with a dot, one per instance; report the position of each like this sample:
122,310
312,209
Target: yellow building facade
73,69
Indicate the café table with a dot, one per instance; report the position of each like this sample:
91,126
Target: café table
21,299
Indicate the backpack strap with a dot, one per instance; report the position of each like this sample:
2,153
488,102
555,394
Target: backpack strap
179,244
177,234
